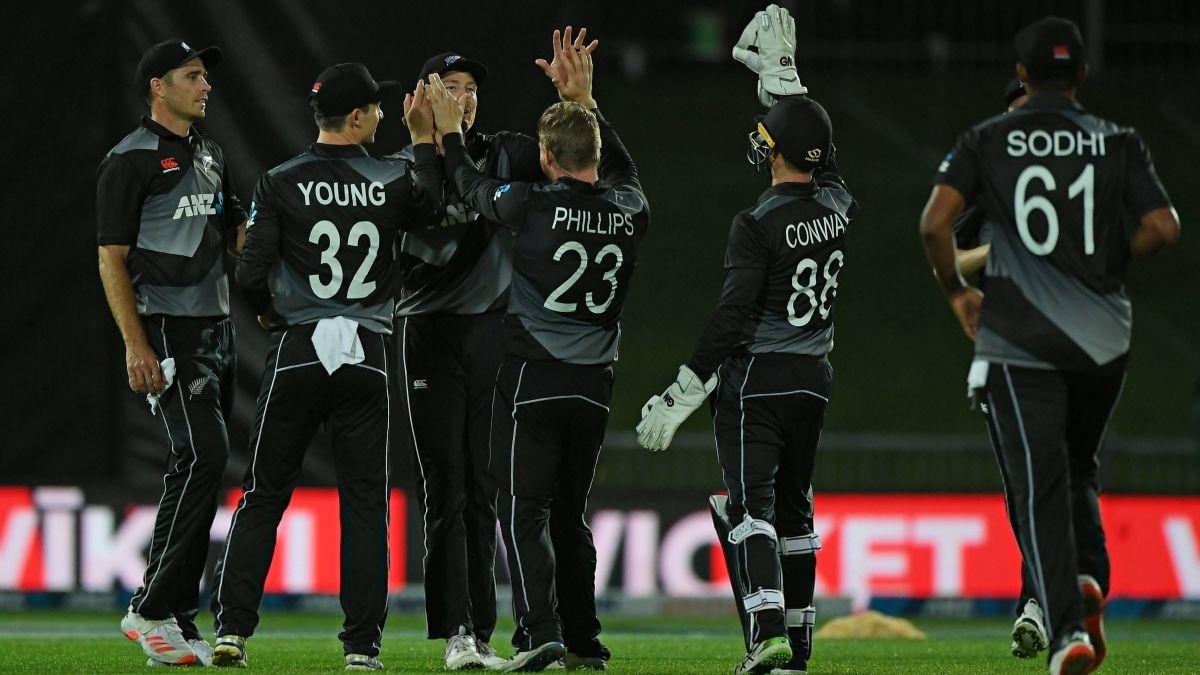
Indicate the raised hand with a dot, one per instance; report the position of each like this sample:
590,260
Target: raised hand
570,69
418,115
447,111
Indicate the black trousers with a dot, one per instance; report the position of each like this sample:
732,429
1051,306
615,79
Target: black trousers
353,403
1049,425
1005,480
193,413
768,410
447,373
547,429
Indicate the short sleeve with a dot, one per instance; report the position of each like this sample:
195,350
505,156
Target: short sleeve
960,168
1144,192
119,195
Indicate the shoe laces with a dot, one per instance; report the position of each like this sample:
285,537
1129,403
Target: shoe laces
460,643
174,634
484,649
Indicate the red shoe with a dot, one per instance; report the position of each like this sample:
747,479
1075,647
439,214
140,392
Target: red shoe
1075,657
1093,616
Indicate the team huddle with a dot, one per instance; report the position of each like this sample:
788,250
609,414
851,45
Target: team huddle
462,297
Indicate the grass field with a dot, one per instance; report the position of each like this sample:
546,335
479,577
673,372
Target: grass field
51,642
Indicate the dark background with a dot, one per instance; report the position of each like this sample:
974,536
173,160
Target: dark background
900,79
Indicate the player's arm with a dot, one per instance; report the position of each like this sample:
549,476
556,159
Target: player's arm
1156,230
119,195
233,216
497,201
970,255
937,237
746,260
520,153
262,249
1146,198
421,191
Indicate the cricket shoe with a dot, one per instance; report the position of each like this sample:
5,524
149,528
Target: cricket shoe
1093,616
202,649
536,659
161,640
1029,631
230,652
363,662
491,660
766,656
574,661
1075,657
462,654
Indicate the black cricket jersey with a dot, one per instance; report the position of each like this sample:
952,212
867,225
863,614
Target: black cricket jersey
575,249
171,200
462,266
1057,186
781,272
323,227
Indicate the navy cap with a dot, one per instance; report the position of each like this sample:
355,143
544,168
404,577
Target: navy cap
1051,48
449,62
798,128
169,55
342,88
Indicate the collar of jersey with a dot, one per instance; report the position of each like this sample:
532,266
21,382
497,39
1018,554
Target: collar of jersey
582,186
166,133
790,189
327,150
1051,99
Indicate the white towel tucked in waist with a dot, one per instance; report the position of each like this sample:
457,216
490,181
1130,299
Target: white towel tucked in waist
337,344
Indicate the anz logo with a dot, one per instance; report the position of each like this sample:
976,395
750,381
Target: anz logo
198,205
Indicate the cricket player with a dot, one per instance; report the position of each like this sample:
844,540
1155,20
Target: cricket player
318,253
764,356
454,287
576,238
1055,183
167,212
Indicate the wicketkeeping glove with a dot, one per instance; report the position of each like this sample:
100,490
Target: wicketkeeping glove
662,415
768,47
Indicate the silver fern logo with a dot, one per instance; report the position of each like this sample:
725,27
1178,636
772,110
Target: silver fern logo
197,386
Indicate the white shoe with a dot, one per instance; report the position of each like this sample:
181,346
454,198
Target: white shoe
1075,657
766,656
203,650
491,660
536,659
461,653
230,652
363,662
1029,631
161,640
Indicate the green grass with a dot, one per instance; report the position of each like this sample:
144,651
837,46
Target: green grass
42,642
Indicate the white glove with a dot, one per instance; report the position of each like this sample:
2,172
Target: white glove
768,47
662,415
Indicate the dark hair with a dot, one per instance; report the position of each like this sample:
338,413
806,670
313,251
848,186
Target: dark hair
149,97
571,132
331,122
1059,83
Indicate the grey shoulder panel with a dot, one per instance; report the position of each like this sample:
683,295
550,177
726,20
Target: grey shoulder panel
139,139
836,199
378,170
303,158
770,205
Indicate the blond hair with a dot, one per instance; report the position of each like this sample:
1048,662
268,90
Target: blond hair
571,132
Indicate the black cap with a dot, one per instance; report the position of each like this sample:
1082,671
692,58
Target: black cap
448,62
346,86
1014,90
1051,49
169,55
798,128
